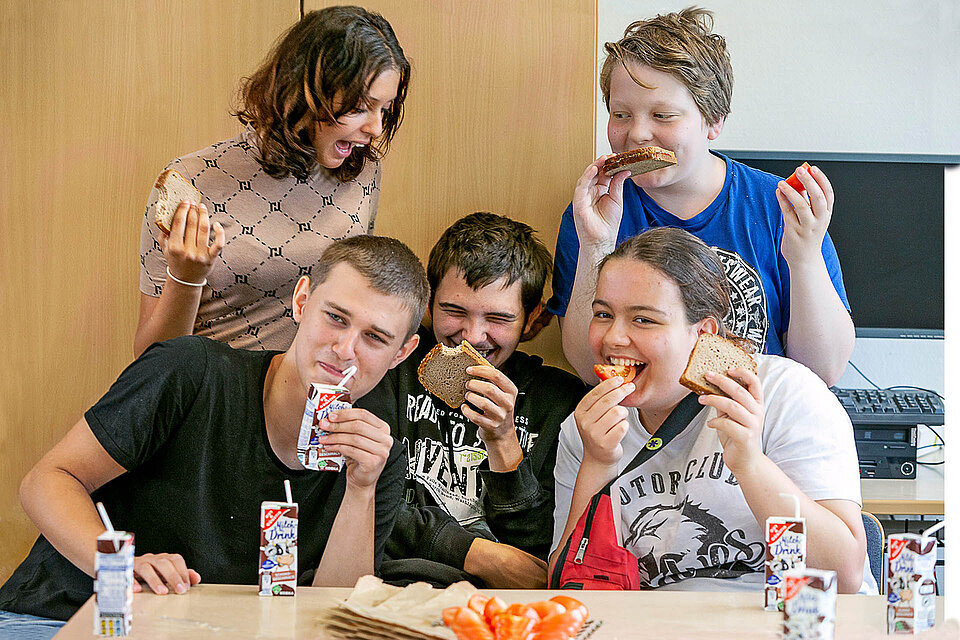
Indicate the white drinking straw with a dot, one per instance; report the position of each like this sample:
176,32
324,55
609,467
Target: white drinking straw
106,522
933,529
286,488
105,517
796,504
347,375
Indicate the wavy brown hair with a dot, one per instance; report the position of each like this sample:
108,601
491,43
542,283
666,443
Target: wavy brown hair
682,44
321,69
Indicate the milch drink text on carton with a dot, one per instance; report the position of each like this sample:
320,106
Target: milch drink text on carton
278,548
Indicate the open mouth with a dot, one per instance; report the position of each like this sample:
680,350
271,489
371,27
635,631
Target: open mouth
627,362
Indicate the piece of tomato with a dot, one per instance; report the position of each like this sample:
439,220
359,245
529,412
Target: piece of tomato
794,181
494,606
547,608
519,609
607,371
449,615
509,626
572,603
477,602
467,624
559,626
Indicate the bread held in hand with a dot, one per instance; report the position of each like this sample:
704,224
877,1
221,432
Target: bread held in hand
172,189
713,353
639,161
443,371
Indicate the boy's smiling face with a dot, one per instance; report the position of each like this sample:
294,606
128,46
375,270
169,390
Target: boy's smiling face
491,318
663,116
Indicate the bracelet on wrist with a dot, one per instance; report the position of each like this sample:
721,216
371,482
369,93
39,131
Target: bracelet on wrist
184,282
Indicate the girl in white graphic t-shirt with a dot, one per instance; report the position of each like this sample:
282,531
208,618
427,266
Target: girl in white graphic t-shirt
655,294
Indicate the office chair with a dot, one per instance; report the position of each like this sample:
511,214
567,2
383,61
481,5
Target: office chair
875,539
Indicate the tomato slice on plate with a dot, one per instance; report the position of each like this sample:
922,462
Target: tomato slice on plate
607,371
794,181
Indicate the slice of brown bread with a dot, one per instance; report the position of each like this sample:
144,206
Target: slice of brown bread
639,161
173,189
713,353
443,371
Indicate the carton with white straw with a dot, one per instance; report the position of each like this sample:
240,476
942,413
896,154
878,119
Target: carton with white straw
322,399
112,580
278,546
911,584
786,539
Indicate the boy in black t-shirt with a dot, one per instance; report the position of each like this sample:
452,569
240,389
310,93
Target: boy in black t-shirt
194,435
479,490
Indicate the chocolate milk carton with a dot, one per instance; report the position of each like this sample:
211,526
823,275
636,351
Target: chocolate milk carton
809,604
911,588
786,540
113,584
321,400
278,548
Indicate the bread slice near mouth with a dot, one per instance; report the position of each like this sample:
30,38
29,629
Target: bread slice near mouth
443,371
639,161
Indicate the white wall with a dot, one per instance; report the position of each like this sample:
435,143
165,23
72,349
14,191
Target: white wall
843,76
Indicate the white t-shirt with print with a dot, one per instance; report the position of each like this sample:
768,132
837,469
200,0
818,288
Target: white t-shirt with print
682,512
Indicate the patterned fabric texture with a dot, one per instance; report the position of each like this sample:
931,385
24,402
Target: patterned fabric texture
275,232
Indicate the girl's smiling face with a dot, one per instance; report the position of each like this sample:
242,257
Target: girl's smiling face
639,318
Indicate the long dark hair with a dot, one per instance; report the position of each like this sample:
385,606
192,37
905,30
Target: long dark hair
332,53
689,262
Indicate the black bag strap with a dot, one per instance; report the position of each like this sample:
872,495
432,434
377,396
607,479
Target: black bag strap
676,422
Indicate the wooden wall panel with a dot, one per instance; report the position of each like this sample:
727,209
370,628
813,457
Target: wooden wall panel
499,117
97,98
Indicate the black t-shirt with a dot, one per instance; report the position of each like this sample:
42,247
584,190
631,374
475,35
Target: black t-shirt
451,496
186,421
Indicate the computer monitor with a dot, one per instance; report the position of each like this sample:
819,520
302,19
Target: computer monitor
887,226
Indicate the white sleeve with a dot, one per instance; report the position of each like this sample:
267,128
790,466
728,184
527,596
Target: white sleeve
569,455
807,433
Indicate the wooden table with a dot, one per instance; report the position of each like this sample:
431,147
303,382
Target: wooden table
232,611
922,496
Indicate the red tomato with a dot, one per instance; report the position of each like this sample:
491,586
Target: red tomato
572,603
477,602
449,614
494,606
794,182
547,608
467,624
560,626
523,610
508,626
607,371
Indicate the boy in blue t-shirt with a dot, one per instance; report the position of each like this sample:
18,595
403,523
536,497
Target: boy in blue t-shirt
668,83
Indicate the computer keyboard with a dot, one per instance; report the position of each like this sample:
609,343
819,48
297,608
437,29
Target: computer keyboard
891,406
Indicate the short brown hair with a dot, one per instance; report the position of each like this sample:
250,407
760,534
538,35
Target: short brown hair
388,265
332,53
689,262
683,45
485,247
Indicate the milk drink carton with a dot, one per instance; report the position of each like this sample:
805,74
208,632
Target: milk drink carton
113,584
911,588
321,400
278,548
809,604
786,540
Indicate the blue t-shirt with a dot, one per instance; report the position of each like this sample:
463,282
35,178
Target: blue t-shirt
744,224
